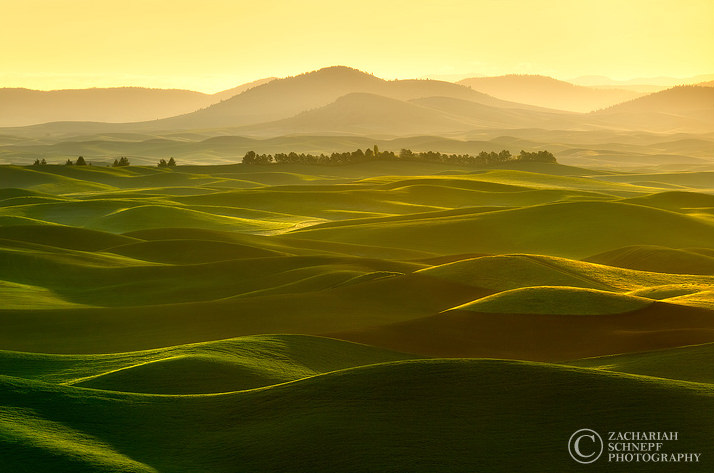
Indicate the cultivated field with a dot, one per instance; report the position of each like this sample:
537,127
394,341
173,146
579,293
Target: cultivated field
381,316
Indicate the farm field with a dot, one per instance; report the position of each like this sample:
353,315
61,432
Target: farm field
379,316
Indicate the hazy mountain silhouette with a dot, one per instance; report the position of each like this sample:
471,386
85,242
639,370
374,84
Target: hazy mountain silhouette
342,100
487,116
284,98
548,92
21,107
362,113
684,108
641,84
677,100
226,94
27,107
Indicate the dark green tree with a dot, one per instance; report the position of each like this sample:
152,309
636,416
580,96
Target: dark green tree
172,162
69,162
80,161
249,158
406,154
163,163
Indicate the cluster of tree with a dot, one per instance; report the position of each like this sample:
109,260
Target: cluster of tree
123,161
371,154
119,162
79,162
537,157
167,164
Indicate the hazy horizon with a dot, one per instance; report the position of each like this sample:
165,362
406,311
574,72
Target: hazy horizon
662,81
82,44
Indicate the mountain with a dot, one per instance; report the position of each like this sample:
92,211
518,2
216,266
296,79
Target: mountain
284,98
683,108
661,82
548,92
28,107
380,116
480,115
21,107
226,94
686,99
362,113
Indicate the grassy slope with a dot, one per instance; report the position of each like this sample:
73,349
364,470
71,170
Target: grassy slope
542,337
563,229
345,307
556,300
209,367
504,272
388,258
689,363
658,259
359,419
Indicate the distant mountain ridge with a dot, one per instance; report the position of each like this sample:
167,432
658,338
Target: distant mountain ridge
679,109
663,82
22,107
680,99
285,98
346,101
547,92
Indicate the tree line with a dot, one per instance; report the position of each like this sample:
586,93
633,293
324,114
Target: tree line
118,162
370,154
373,154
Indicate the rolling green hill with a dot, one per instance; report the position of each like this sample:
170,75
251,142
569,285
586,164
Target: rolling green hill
563,229
136,303
689,363
351,420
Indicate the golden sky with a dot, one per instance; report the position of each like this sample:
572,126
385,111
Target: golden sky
211,45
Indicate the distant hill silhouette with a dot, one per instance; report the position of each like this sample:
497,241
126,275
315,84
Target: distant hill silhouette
226,94
677,100
643,84
21,107
342,100
284,98
548,92
362,113
682,108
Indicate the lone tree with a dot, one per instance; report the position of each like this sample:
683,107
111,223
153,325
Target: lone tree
172,162
80,161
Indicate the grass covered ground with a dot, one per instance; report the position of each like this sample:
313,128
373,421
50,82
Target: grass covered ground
136,303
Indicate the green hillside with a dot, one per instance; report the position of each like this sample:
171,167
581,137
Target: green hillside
363,418
689,363
209,367
556,300
385,316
